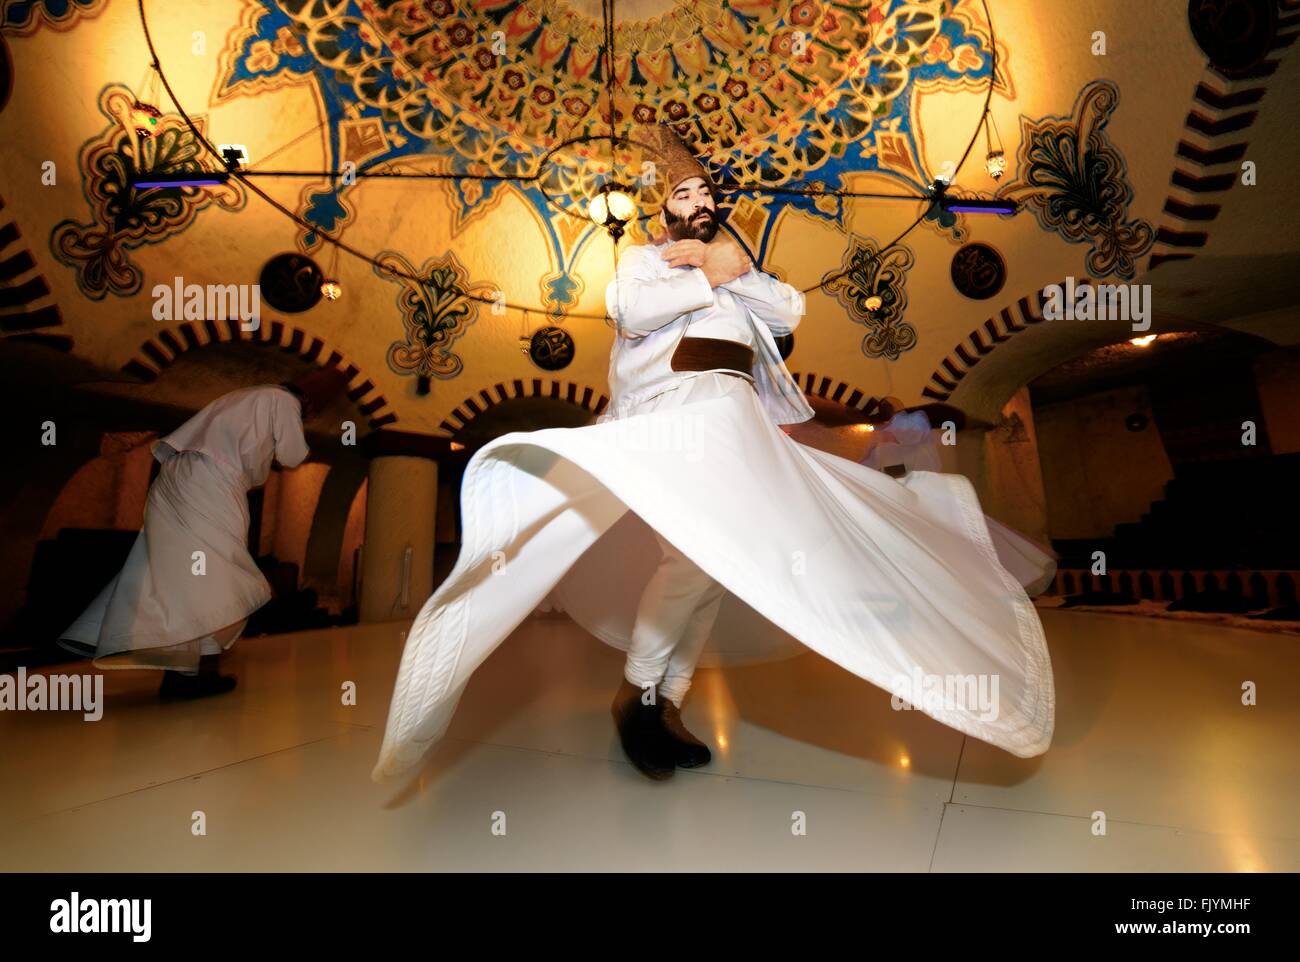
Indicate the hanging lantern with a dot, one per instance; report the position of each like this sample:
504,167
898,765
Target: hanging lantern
995,161
874,302
621,205
996,164
612,208
525,336
330,288
144,117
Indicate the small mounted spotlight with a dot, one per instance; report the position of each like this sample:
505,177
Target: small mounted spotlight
234,155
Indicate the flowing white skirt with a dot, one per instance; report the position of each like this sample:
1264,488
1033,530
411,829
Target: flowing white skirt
897,581
159,611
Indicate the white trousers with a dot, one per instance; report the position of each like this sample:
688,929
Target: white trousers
680,602
673,620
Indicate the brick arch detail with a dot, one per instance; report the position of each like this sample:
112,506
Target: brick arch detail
813,385
27,308
476,404
841,392
981,342
162,350
1211,147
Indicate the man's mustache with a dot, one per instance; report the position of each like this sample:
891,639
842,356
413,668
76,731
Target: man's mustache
696,225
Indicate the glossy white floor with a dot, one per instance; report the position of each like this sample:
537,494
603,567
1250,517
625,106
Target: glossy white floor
1150,730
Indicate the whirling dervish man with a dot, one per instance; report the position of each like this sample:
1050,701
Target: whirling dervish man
190,584
685,527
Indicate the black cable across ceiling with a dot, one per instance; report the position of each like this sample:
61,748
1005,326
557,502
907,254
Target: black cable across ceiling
608,25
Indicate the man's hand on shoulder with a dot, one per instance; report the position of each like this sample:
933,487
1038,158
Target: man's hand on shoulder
722,259
684,253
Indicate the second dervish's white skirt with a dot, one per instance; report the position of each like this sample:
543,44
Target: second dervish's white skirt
161,610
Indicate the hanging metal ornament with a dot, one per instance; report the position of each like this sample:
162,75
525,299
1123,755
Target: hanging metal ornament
291,282
145,114
330,287
525,338
995,162
551,348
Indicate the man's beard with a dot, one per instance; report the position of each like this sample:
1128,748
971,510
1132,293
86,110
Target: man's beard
696,227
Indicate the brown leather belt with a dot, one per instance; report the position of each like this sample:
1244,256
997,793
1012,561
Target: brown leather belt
711,353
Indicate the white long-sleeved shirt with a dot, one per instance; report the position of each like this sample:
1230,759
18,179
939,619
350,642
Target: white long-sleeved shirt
244,431
654,305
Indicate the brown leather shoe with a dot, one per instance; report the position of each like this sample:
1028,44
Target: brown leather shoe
642,734
688,751
176,686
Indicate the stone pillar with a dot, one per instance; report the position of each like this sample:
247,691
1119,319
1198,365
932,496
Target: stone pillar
295,508
348,576
321,570
401,510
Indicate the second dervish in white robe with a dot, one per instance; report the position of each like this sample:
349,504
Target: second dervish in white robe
189,583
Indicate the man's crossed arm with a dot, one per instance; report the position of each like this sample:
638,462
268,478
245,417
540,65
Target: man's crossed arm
641,299
777,305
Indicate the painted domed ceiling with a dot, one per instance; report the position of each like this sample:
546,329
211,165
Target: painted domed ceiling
436,159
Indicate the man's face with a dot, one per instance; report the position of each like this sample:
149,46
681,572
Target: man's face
690,213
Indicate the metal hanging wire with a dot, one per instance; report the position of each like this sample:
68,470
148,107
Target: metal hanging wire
244,177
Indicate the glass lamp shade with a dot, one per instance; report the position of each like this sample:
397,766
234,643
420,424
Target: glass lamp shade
611,204
621,206
331,290
996,164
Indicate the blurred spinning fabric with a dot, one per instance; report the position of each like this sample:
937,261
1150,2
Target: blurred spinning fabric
899,581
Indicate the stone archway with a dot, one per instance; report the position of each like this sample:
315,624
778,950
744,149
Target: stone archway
475,405
840,392
162,350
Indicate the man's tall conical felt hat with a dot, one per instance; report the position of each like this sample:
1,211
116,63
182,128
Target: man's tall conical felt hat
673,162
